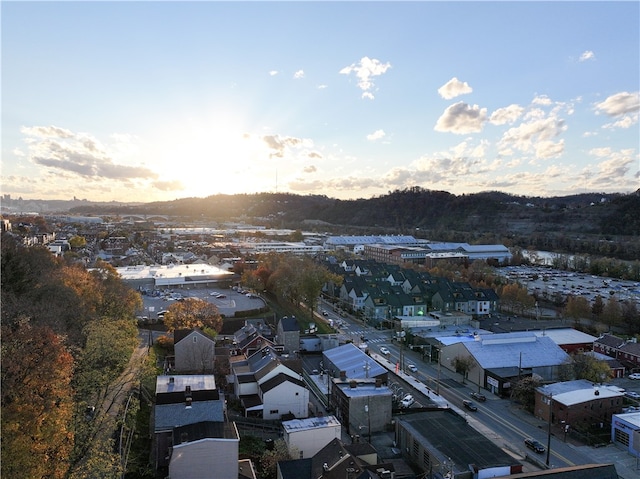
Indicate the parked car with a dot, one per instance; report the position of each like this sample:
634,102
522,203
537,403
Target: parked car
634,376
407,401
412,368
479,397
632,395
384,351
469,405
324,313
534,445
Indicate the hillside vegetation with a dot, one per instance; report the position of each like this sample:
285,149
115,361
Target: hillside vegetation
590,223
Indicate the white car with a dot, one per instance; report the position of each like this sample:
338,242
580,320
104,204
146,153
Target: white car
634,376
412,368
632,395
407,401
384,351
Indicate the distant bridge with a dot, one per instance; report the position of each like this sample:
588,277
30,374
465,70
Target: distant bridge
145,217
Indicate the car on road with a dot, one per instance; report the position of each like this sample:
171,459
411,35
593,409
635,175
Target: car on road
469,405
407,401
534,445
634,376
324,313
384,351
479,397
412,368
632,395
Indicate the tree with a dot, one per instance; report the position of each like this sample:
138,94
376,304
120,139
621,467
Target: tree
577,308
193,313
37,403
598,307
462,365
630,317
524,391
77,242
611,313
270,458
587,367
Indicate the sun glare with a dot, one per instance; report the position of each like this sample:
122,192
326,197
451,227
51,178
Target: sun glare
217,155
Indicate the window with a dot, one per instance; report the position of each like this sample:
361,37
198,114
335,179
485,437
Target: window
273,411
195,339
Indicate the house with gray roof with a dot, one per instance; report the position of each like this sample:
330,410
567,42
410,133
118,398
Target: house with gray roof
288,334
182,400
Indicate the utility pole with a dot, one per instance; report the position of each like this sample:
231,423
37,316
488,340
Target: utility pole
549,428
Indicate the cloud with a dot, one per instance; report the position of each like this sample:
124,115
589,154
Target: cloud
461,118
587,55
508,114
314,154
365,70
298,75
46,132
273,73
279,144
78,153
454,88
322,87
376,135
622,103
175,185
610,170
535,135
310,169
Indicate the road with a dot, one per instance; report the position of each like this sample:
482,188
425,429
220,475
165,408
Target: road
499,419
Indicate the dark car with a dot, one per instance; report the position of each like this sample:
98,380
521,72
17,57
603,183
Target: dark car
479,397
469,405
534,445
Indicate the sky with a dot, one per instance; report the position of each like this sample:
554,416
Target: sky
151,101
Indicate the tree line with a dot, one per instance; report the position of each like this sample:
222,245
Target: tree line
67,333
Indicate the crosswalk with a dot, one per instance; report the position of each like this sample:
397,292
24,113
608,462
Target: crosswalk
356,334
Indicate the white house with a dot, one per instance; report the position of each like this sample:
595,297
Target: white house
305,437
282,395
204,447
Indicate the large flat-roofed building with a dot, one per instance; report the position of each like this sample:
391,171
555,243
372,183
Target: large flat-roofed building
442,442
182,275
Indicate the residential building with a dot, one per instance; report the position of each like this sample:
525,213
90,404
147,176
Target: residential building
182,400
305,437
288,334
203,447
194,351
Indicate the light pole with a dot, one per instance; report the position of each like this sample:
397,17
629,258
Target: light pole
549,428
438,383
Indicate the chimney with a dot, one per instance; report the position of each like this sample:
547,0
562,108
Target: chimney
343,375
378,382
353,384
172,380
187,402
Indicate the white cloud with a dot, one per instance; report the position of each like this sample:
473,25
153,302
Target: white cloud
587,55
322,87
365,70
299,74
542,100
508,114
619,104
461,118
376,135
273,73
65,152
454,88
280,145
535,135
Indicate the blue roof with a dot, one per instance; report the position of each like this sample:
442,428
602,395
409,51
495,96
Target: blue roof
352,360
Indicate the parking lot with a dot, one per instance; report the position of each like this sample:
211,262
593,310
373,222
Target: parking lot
548,283
228,301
